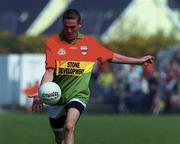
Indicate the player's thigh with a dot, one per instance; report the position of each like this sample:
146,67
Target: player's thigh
57,124
74,110
72,117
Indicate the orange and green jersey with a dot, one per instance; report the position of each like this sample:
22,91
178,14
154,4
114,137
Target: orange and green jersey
74,63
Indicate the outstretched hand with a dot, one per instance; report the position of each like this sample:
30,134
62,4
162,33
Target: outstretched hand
147,60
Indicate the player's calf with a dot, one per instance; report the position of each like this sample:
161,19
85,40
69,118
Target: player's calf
59,138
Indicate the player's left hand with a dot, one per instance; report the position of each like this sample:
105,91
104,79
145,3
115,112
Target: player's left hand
147,60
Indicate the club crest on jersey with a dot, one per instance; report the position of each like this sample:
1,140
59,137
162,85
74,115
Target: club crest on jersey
84,50
61,51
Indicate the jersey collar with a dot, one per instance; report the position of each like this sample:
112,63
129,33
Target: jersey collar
63,38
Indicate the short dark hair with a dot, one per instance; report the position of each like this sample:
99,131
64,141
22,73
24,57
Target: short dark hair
72,14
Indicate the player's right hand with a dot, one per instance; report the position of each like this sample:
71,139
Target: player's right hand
37,105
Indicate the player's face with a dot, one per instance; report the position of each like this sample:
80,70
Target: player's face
71,28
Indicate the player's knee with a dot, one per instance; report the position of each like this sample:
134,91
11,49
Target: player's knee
69,127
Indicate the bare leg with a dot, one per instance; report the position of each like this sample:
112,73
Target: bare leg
59,137
72,117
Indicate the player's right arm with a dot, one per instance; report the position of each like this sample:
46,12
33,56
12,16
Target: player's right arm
48,75
37,105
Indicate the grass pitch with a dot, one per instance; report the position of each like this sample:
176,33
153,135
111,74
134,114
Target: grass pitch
27,128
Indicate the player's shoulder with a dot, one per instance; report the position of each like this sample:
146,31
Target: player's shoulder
89,38
52,39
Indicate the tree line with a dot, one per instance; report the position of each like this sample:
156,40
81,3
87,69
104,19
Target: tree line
20,44
135,46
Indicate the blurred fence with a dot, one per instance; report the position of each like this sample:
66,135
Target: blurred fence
18,72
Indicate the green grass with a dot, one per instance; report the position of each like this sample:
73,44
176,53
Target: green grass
27,128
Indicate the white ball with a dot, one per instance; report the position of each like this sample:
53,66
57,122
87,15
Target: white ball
49,93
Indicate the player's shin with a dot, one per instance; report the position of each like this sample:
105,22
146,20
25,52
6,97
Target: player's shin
59,137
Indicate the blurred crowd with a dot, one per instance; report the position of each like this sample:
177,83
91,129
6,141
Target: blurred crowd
169,85
135,88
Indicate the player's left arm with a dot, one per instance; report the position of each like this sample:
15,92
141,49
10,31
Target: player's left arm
121,59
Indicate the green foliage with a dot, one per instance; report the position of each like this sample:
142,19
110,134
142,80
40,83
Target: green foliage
20,44
135,46
138,46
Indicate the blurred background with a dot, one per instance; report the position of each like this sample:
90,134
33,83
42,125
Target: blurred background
130,27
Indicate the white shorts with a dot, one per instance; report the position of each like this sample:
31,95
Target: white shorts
57,113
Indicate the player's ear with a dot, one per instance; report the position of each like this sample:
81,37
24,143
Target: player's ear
80,24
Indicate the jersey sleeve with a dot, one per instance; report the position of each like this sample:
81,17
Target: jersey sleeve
50,61
104,54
